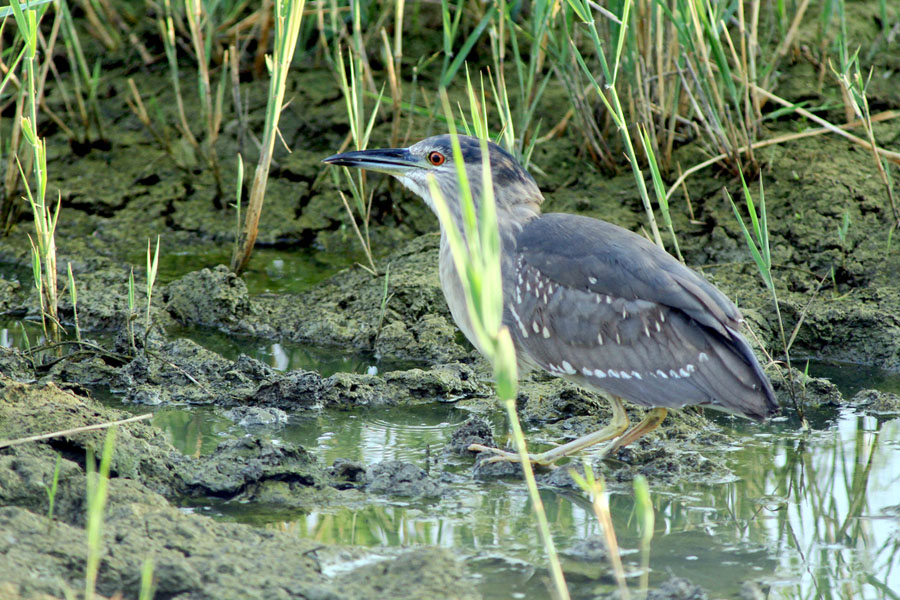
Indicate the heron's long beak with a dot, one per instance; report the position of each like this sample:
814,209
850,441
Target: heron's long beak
393,161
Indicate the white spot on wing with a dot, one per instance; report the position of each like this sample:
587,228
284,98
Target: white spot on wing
600,338
568,368
535,327
703,357
545,332
592,279
519,322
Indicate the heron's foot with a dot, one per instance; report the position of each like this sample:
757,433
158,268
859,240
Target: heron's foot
541,460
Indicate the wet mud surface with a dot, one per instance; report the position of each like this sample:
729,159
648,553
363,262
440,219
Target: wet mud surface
844,288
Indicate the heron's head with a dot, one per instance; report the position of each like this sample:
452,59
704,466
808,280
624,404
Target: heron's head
516,194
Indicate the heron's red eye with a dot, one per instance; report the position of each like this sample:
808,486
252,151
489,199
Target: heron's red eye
436,158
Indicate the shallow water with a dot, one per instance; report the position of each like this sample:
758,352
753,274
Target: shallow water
271,270
809,515
812,514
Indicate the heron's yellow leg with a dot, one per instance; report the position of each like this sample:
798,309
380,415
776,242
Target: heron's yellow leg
650,422
616,427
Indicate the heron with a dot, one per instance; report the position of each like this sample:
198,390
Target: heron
587,300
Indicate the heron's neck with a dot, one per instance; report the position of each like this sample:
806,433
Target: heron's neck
511,218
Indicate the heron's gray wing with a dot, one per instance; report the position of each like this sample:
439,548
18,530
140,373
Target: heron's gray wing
595,303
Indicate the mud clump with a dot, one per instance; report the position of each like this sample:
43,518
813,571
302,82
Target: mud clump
193,556
252,416
677,588
240,469
805,391
9,295
350,472
445,381
15,366
398,478
436,571
876,403
214,297
401,313
184,371
474,431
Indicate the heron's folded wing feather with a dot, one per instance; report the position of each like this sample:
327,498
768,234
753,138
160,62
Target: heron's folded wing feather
597,304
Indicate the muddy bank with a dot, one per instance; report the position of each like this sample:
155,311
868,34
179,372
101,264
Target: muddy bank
194,556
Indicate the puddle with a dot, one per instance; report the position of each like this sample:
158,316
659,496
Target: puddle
286,356
270,270
409,434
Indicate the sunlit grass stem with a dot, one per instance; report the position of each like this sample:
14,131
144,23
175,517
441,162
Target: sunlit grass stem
129,317
477,260
86,80
758,245
583,8
288,16
211,110
238,194
73,296
147,581
350,79
43,245
97,494
53,487
152,269
854,87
